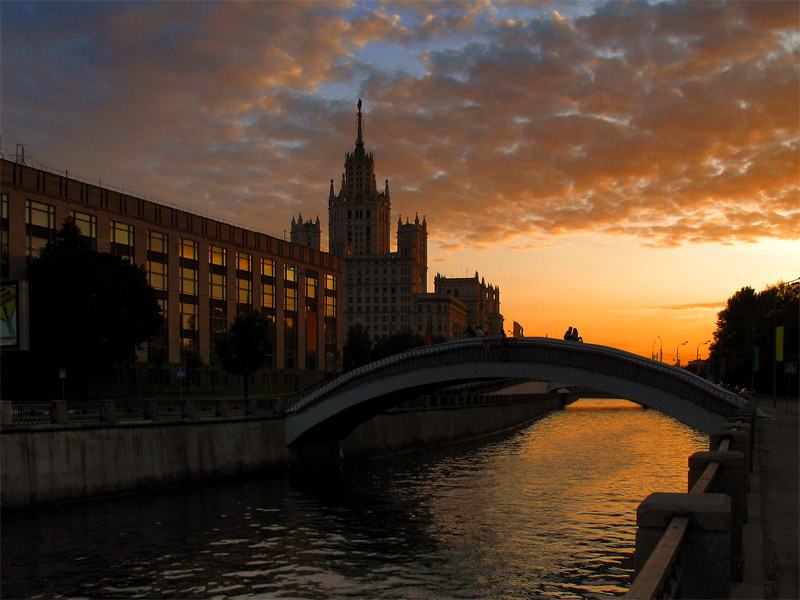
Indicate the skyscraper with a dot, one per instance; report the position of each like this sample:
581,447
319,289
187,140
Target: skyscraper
379,285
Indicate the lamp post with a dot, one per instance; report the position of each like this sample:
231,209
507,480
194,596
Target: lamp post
677,355
653,351
661,359
698,348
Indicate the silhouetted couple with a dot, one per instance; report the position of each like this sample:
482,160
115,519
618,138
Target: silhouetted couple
572,335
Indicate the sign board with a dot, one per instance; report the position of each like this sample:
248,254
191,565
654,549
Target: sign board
180,372
8,314
62,373
790,368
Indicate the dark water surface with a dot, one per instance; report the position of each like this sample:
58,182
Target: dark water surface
546,511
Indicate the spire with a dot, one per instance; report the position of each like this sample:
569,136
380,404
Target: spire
331,194
360,138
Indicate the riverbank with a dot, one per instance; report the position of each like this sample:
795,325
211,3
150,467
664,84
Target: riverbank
99,451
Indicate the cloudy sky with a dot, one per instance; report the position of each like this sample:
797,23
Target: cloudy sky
620,167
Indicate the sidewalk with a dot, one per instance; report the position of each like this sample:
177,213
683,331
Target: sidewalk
772,557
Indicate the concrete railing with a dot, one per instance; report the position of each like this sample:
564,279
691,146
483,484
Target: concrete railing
108,412
690,545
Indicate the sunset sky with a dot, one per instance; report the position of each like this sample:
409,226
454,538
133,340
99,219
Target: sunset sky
620,167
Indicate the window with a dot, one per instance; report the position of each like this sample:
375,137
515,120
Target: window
290,300
40,227
189,288
157,261
244,282
217,273
122,240
268,307
157,278
330,322
268,286
87,224
217,293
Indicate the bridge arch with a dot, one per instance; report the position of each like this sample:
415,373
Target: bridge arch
330,411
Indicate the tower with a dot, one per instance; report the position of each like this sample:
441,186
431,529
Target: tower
358,216
306,233
412,242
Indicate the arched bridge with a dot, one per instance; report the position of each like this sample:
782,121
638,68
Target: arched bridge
328,412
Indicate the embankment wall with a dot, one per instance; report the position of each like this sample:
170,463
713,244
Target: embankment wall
48,463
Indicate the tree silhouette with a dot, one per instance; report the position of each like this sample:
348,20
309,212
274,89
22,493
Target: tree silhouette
746,330
88,310
395,344
244,348
358,348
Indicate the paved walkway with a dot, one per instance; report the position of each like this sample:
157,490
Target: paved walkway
772,558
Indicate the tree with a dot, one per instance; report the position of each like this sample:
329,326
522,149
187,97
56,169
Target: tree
395,344
357,349
88,310
193,364
245,347
743,348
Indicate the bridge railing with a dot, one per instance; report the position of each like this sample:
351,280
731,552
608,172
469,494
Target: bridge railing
690,545
546,350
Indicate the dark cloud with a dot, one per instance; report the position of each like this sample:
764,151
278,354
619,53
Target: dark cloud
674,122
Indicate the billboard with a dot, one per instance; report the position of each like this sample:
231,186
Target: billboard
13,315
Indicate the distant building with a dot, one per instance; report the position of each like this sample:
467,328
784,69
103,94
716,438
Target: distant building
482,300
306,234
386,292
379,285
204,270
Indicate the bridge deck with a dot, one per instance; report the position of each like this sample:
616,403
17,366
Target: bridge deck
670,389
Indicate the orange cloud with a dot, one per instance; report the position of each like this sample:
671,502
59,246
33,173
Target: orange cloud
673,123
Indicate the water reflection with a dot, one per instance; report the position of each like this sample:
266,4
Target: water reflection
547,511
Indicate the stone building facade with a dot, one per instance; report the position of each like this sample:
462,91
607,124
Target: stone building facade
204,270
386,292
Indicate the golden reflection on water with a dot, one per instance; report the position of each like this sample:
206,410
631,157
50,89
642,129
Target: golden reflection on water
553,508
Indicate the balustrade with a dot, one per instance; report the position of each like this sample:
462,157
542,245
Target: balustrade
690,545
109,412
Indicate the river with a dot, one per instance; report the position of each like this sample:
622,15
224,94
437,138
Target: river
545,511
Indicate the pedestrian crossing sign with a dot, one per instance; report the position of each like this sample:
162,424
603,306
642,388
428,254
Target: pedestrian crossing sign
790,368
180,372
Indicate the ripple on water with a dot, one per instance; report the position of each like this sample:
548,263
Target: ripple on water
547,511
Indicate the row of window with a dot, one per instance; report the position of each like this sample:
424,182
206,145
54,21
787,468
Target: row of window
40,222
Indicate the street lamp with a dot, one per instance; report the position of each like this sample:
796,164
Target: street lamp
698,348
662,348
653,351
677,355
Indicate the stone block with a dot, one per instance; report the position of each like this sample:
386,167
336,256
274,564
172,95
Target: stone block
706,547
729,480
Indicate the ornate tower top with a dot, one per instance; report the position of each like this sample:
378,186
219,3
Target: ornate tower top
360,138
